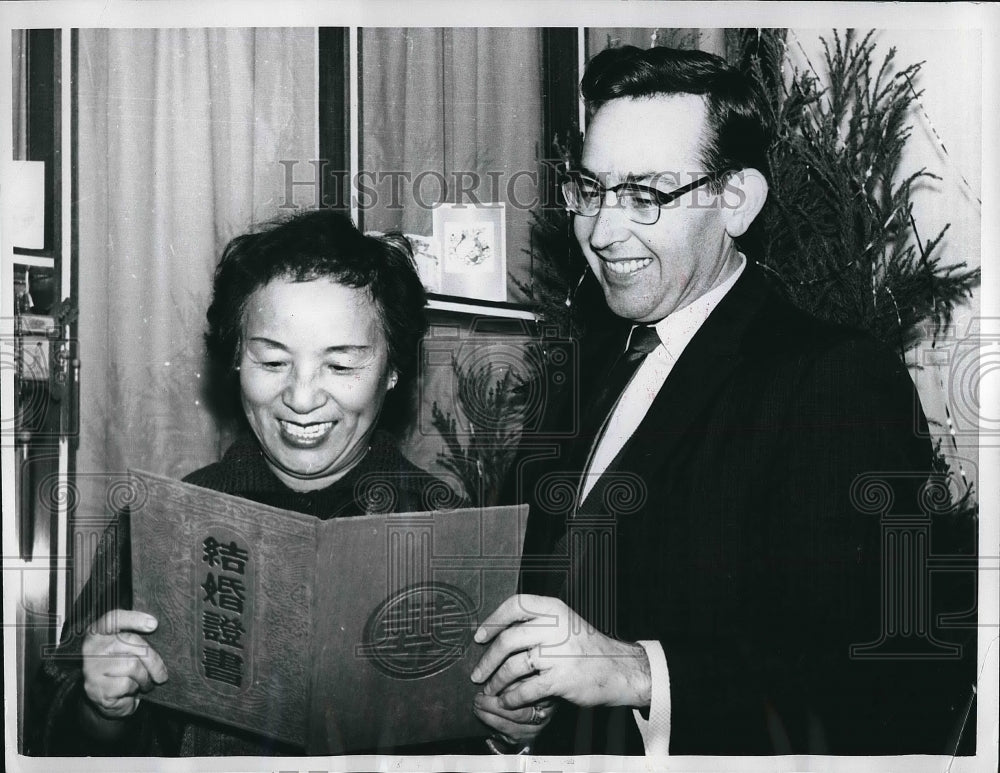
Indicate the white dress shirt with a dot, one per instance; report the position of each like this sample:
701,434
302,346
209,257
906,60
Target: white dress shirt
675,332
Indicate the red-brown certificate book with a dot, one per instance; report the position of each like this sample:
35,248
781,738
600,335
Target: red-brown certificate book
342,635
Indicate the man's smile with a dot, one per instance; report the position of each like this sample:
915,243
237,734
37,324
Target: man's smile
625,266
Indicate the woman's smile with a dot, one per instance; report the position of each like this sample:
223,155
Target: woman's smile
305,435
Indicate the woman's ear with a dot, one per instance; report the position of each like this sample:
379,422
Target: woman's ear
742,200
393,379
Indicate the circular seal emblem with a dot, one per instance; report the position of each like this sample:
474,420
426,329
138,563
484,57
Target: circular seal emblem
419,631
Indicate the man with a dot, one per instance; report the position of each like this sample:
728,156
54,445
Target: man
721,555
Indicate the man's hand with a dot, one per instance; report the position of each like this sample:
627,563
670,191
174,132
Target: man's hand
118,663
542,649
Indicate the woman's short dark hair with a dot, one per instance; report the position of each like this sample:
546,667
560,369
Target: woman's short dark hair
318,244
738,113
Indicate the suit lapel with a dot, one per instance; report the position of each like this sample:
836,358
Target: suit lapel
715,351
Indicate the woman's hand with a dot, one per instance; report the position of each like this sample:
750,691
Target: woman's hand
118,663
517,727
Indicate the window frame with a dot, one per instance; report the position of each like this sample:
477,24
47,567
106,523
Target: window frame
340,112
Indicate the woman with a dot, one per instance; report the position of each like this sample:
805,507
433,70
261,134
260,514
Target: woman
312,325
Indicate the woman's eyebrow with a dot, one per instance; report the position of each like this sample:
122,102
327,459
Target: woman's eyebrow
329,350
267,342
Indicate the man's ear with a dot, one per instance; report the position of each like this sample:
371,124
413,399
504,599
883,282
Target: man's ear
742,200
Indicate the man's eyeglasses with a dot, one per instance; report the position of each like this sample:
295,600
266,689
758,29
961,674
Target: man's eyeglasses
585,196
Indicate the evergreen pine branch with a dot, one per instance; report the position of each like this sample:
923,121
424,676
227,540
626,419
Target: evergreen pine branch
837,230
494,407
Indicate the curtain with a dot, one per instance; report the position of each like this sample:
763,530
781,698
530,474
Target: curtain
180,134
446,102
19,65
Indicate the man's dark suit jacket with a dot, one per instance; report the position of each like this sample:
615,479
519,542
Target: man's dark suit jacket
728,530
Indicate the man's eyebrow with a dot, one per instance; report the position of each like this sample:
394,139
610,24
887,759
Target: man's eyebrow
646,175
654,176
631,177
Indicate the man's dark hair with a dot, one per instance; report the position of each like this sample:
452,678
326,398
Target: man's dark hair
317,244
737,111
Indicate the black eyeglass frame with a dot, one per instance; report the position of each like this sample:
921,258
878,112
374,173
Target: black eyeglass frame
662,198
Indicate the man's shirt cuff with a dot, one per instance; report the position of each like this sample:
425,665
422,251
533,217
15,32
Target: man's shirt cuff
655,730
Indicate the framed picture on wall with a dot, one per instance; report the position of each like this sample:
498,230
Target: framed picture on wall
471,248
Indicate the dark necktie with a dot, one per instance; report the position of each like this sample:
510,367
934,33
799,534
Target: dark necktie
642,340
